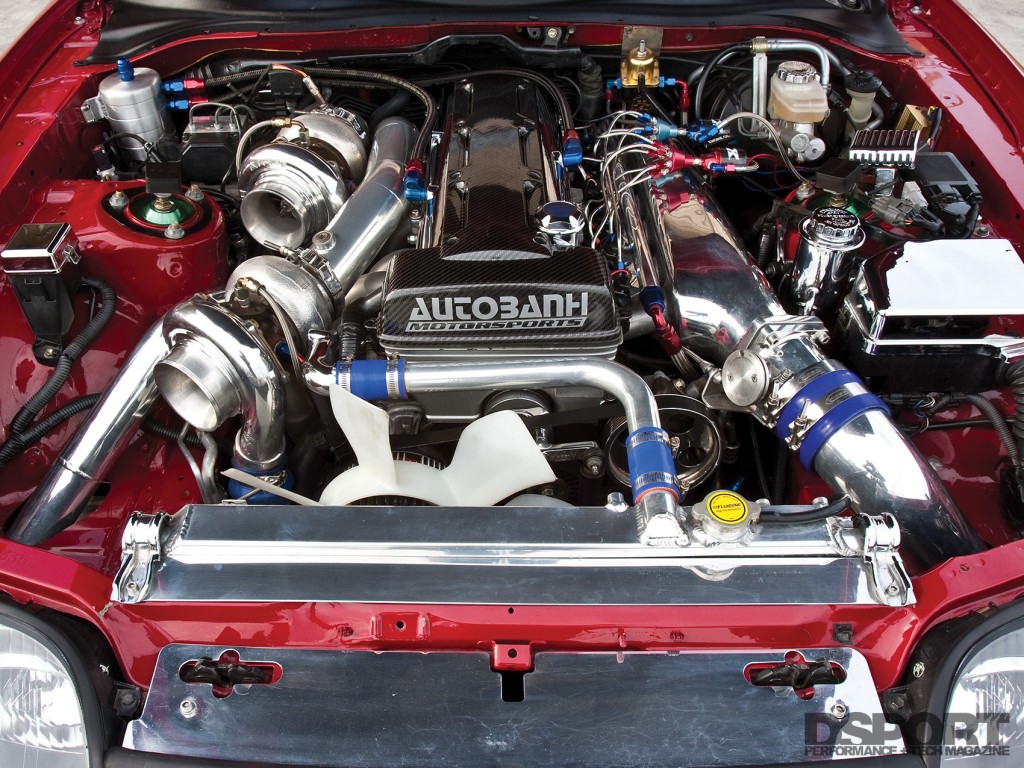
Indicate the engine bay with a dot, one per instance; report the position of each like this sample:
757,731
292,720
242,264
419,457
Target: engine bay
753,308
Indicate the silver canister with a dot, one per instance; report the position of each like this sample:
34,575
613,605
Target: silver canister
823,266
132,102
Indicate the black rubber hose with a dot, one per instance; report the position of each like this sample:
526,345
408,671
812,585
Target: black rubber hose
564,111
993,414
722,55
762,478
785,514
19,442
391,107
781,473
1015,377
72,351
170,433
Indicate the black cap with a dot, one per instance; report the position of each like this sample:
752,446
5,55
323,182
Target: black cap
861,81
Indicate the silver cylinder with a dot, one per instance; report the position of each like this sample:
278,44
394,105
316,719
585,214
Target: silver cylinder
85,461
373,212
823,267
136,106
216,369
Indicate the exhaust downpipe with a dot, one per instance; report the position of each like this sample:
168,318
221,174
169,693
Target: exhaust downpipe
774,369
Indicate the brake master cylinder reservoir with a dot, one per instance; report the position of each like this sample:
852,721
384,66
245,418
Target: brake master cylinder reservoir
797,95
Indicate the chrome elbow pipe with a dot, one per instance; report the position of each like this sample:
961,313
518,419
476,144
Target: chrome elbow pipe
217,369
872,462
346,248
723,306
652,469
106,431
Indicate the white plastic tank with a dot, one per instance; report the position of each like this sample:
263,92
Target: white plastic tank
134,103
797,95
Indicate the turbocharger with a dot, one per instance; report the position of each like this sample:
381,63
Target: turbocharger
293,186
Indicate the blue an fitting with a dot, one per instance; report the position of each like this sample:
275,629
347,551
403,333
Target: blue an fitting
651,466
125,70
173,86
652,296
238,489
413,187
663,131
372,379
837,417
572,150
702,131
178,105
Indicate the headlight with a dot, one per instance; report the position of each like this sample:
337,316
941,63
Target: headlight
41,714
985,720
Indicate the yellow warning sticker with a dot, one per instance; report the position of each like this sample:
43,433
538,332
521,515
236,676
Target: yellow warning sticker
727,507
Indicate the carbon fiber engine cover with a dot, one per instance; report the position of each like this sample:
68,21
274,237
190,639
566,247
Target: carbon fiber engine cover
488,283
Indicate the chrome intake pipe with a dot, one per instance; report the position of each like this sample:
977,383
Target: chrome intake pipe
652,468
773,368
217,369
346,248
106,431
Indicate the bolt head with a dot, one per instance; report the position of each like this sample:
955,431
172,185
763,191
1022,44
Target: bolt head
174,231
918,669
552,33
617,502
838,710
188,708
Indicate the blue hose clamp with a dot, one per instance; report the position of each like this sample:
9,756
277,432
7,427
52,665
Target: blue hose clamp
651,466
238,489
373,379
837,417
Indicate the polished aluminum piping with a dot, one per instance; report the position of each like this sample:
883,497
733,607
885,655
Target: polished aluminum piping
84,463
774,45
216,369
345,250
651,465
723,304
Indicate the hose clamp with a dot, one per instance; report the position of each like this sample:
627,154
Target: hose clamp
822,407
318,266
